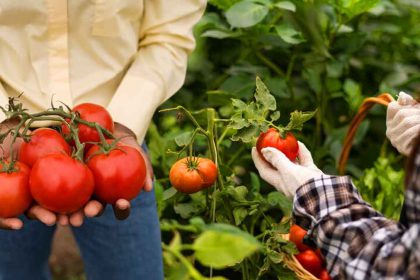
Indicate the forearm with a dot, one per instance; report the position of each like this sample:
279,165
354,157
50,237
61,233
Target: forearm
356,240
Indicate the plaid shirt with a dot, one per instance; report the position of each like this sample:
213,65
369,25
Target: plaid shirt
357,241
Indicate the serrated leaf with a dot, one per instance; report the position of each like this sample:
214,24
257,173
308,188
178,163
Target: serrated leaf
298,118
238,122
224,245
246,14
263,96
246,134
275,116
286,5
183,139
239,104
288,34
239,214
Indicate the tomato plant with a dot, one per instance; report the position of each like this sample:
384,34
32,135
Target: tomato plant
92,113
119,172
61,184
43,141
192,174
272,138
310,261
15,196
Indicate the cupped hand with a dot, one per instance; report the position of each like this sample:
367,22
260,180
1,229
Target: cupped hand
280,172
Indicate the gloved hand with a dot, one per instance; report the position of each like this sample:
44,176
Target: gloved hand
403,123
283,174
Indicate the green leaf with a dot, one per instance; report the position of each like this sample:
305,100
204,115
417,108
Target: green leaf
239,213
220,34
288,34
224,245
278,199
247,134
255,182
298,118
263,96
286,5
167,194
246,14
223,4
275,116
353,8
354,95
183,139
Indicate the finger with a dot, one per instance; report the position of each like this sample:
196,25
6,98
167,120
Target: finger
76,219
305,156
405,99
277,159
63,220
94,208
266,171
392,110
122,209
148,185
11,224
43,215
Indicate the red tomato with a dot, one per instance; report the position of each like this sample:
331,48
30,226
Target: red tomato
324,275
296,236
192,174
15,197
120,173
61,184
271,138
44,141
92,113
310,261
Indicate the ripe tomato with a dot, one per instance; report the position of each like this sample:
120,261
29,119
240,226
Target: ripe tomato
92,113
192,174
324,275
61,184
44,141
296,236
310,261
15,196
271,138
120,173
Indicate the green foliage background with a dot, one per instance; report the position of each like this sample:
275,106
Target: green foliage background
325,54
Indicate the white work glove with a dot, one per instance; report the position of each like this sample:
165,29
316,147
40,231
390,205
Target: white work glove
283,174
403,123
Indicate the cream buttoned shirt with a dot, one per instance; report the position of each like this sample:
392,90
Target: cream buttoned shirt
127,55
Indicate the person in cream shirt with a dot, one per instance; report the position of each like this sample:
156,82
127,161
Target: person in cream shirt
126,55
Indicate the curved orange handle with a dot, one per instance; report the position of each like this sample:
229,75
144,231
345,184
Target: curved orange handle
382,99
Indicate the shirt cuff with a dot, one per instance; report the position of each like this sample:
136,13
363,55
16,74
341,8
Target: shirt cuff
321,196
134,104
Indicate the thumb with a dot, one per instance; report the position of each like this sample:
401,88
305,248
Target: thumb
305,156
277,159
405,99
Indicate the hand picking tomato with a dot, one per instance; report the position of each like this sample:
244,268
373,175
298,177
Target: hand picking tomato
92,113
15,196
296,236
324,275
192,174
119,173
272,138
61,184
310,261
44,141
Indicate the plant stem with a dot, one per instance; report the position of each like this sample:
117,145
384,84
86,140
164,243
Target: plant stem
191,269
270,64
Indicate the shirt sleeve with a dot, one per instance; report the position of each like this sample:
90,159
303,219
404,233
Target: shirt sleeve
159,68
356,240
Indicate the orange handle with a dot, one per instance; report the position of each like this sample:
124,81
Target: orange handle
382,99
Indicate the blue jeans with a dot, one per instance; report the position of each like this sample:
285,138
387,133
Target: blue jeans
111,249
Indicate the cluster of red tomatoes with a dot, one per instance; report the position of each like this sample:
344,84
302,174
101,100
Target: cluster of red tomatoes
310,259
47,173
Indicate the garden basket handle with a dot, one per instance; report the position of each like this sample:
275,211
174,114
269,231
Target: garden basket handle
382,99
